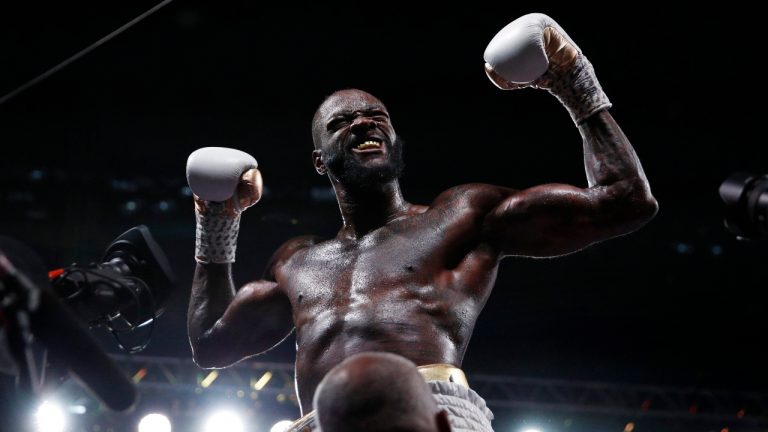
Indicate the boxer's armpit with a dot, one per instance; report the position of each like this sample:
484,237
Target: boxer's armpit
257,319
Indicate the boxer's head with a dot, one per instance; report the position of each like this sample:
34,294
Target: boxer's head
377,392
355,141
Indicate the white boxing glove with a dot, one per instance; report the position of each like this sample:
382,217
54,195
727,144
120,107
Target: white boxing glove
534,51
224,182
214,172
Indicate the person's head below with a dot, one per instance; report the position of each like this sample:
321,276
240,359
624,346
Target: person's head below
377,392
355,142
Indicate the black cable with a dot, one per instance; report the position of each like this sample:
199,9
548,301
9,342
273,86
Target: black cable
117,332
82,52
64,276
108,321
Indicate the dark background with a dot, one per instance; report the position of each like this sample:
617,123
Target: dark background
680,302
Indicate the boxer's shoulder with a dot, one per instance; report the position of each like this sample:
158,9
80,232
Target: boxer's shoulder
298,244
472,196
288,251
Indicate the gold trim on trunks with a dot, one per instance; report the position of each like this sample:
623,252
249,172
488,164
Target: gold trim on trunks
443,372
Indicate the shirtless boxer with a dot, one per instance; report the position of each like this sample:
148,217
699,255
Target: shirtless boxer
399,277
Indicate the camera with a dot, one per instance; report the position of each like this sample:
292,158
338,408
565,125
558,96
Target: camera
746,199
130,284
49,310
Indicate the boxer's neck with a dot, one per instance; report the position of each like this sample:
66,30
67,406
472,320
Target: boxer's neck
364,210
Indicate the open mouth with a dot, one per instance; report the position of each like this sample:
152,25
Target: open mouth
370,145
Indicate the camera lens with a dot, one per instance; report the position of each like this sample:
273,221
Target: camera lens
746,199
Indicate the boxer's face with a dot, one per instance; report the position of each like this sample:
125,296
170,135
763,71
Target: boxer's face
356,141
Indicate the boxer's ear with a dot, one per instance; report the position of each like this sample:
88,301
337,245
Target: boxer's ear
442,423
317,160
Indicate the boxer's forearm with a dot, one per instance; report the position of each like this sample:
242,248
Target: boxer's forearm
212,292
224,182
612,166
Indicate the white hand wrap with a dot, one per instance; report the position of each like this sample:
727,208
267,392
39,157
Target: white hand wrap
216,234
579,91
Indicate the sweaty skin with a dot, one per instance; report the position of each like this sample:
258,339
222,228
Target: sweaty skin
403,278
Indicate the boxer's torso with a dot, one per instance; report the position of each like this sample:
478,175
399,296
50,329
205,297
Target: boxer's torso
413,287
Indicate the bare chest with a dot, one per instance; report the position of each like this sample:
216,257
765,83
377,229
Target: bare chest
417,258
386,264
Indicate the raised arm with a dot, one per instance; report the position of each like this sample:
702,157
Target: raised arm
556,219
224,324
534,51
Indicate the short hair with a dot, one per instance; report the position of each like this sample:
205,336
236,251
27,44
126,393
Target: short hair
315,120
375,392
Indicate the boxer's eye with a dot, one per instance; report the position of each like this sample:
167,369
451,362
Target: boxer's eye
379,116
337,123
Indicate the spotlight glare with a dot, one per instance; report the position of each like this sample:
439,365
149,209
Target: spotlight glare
532,430
281,426
50,418
224,421
77,409
154,423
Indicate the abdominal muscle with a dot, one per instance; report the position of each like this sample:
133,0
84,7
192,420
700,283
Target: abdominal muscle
331,337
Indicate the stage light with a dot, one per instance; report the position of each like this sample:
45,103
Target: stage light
532,430
77,409
50,418
208,380
139,375
261,382
224,421
36,175
154,423
131,206
281,426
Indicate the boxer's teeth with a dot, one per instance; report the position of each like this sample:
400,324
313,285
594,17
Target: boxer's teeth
368,145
